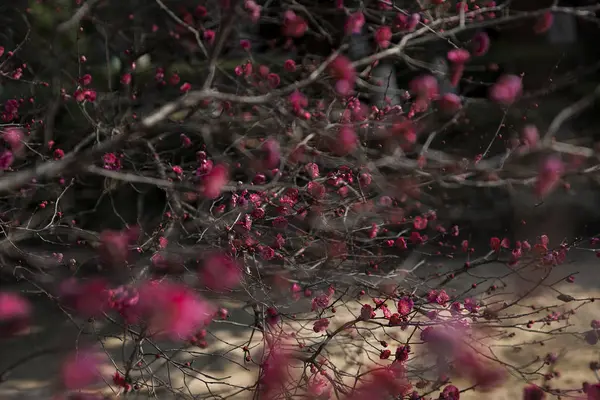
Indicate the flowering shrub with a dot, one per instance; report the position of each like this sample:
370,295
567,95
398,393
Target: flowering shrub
230,207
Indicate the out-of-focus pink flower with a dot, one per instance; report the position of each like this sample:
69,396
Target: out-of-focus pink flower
458,58
382,384
450,103
533,392
271,154
544,23
220,272
293,25
482,373
366,312
320,325
214,180
346,141
355,23
114,245
530,135
172,310
15,314
88,299
6,159
80,370
274,371
549,176
342,70
506,90
383,36
14,138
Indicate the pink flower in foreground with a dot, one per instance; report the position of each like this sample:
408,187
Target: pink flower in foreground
450,103
530,135
80,370
450,392
173,310
342,70
214,181
383,36
549,176
15,314
271,154
220,272
382,384
293,25
506,90
274,371
482,373
458,58
89,299
346,141
544,23
114,245
14,138
6,159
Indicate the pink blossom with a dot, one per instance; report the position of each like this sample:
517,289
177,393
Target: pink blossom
274,371
320,325
214,181
346,141
355,23
506,90
549,176
458,58
320,302
482,373
14,138
172,310
450,103
533,392
450,392
88,299
383,35
114,245
6,159
271,154
289,65
480,44
312,170
544,23
15,314
420,223
81,370
316,190
530,135
220,272
293,25
405,306
342,70
366,312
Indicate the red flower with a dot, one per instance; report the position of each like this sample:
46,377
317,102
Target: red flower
15,313
346,141
14,138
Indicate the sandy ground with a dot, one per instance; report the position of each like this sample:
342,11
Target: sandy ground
220,369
